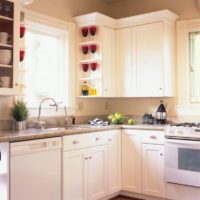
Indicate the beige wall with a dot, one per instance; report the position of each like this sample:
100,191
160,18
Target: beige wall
67,9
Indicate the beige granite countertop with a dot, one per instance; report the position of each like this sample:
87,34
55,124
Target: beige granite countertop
31,134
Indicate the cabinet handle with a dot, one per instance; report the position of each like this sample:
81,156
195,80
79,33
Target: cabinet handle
38,145
75,142
109,139
16,84
86,158
90,157
0,155
98,139
161,154
153,137
160,88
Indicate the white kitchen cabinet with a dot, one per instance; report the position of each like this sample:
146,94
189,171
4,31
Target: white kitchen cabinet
108,62
114,161
149,59
10,24
126,75
146,55
85,166
131,161
153,170
74,173
96,173
103,77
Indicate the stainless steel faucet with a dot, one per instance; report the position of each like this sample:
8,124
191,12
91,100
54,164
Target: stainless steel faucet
39,123
65,121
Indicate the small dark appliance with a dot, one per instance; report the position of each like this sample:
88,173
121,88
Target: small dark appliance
161,114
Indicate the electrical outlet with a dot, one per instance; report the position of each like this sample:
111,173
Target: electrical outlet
106,105
80,106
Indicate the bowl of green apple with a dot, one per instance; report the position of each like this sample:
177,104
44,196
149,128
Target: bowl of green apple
116,118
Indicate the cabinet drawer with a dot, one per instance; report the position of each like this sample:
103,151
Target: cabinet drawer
153,137
84,140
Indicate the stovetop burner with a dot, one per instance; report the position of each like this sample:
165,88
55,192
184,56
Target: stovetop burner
183,130
187,124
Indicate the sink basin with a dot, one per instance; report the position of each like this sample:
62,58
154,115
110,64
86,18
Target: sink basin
66,128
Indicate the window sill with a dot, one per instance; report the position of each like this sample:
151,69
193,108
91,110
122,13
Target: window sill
51,112
188,110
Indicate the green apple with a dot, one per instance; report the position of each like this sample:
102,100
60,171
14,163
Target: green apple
131,121
114,120
110,117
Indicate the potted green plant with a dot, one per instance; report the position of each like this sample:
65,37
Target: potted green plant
20,114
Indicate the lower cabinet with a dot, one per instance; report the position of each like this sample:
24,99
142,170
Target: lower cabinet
131,161
91,165
143,162
153,170
85,173
85,166
114,161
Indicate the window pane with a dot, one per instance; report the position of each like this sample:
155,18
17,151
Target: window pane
43,67
194,59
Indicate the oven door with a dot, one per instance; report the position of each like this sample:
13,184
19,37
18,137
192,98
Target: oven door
182,162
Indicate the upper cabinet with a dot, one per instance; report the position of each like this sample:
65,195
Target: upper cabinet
9,53
146,55
95,56
135,56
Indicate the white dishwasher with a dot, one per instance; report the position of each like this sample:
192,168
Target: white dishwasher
35,170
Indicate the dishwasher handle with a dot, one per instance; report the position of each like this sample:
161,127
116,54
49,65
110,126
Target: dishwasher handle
35,146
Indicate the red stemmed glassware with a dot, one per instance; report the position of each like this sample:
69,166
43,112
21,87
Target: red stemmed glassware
93,66
85,67
84,31
93,48
21,55
22,31
85,49
93,30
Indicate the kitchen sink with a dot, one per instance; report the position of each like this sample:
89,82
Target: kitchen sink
70,127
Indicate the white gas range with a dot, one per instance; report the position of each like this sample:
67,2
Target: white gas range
183,131
182,154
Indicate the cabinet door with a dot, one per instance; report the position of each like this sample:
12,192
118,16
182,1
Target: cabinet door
149,62
126,77
153,170
131,161
114,161
97,173
108,62
74,171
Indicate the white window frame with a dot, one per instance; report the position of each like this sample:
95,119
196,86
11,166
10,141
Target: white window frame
70,29
185,107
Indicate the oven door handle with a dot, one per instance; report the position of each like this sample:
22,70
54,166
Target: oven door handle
185,142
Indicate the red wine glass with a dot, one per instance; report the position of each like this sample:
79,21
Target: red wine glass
84,31
85,49
21,55
93,30
85,67
22,31
93,66
93,48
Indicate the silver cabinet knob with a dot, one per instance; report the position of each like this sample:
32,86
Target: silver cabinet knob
75,142
98,139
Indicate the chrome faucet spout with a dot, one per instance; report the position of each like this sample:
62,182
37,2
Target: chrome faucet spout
39,123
